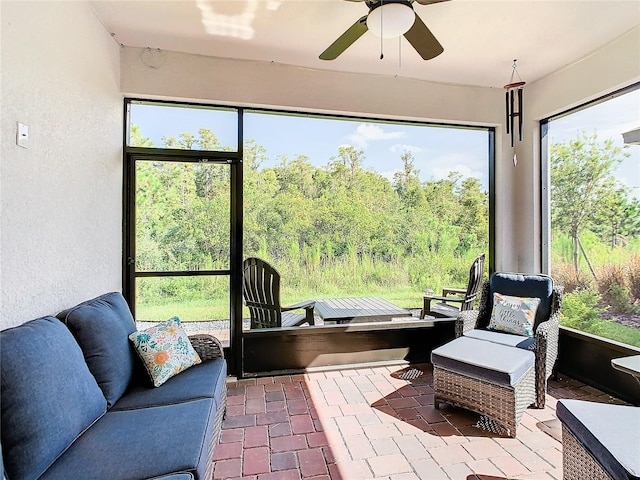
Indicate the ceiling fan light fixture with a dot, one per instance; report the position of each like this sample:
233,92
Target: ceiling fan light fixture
391,20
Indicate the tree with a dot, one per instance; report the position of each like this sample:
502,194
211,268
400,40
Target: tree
473,217
350,158
136,139
184,141
582,184
406,182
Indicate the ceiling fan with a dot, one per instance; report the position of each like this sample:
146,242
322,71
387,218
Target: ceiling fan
390,18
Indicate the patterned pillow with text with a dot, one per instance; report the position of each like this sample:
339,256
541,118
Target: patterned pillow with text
513,314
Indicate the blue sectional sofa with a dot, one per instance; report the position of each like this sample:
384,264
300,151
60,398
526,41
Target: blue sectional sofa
77,403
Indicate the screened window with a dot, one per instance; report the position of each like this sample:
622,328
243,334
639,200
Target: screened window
184,127
341,206
595,216
349,207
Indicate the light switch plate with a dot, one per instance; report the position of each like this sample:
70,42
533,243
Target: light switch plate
22,135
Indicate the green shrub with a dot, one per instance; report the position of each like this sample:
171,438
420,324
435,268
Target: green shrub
619,298
580,310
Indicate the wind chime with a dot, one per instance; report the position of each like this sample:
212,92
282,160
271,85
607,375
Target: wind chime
512,87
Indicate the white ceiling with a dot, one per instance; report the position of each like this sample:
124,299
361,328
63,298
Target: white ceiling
481,38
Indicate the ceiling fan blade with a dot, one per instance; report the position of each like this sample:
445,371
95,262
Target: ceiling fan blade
423,40
344,41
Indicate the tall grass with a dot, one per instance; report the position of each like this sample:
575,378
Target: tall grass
593,301
401,281
590,304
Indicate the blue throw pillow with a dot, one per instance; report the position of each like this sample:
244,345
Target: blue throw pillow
102,327
47,395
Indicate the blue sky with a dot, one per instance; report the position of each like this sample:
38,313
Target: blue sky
610,120
436,150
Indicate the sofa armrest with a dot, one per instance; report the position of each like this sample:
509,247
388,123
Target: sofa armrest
546,353
207,346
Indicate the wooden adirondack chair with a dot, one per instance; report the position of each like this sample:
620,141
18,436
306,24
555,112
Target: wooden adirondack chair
261,291
464,297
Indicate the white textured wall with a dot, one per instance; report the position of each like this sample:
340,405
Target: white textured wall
60,217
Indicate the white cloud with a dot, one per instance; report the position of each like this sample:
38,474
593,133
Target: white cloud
401,148
368,132
443,173
460,163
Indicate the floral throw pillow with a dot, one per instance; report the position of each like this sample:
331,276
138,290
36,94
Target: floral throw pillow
165,350
513,314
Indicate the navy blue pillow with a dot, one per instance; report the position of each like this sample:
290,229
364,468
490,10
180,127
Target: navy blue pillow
47,394
101,327
520,285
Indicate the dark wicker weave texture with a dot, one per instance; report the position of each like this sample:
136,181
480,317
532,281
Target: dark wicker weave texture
546,335
577,463
207,346
501,403
210,348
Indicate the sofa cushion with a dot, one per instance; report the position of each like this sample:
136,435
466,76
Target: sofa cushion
509,339
516,284
490,361
141,443
200,381
175,476
101,327
611,433
48,395
165,350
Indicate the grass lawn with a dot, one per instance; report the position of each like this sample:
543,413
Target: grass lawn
218,309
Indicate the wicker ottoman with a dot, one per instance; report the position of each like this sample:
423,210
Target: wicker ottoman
599,440
494,380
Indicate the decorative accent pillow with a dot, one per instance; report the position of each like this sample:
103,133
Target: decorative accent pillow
513,314
165,350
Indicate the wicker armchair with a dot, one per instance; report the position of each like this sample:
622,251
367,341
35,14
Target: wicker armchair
547,322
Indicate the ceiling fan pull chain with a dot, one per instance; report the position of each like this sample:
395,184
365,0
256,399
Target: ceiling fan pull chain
381,32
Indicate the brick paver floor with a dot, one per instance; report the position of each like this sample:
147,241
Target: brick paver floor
379,422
